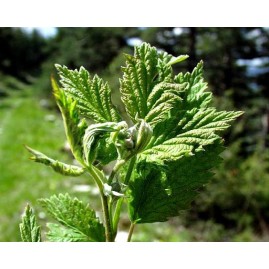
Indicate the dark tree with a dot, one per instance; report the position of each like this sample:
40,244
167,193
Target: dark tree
21,53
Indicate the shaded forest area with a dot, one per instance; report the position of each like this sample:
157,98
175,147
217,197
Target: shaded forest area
235,205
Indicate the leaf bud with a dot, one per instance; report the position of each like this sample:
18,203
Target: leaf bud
96,131
144,135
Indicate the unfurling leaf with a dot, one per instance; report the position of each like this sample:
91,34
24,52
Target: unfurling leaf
94,133
74,127
59,167
143,136
78,220
30,231
178,59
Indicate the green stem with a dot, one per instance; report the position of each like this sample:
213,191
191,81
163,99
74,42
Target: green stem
130,232
117,212
116,168
109,237
107,221
130,170
116,216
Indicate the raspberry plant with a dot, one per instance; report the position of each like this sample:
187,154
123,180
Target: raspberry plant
161,158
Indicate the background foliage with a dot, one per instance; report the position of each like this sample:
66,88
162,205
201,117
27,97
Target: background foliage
233,207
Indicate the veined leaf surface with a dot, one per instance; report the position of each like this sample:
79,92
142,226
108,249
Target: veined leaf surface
159,193
30,231
75,215
93,95
142,95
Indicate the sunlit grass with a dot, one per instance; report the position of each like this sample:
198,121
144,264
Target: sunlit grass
24,121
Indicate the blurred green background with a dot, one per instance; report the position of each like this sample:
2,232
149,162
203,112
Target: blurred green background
233,207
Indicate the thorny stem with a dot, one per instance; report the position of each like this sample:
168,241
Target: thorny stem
116,216
131,230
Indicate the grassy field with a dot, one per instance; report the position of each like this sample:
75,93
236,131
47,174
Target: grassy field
24,121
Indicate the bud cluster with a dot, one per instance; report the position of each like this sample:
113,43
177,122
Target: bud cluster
133,140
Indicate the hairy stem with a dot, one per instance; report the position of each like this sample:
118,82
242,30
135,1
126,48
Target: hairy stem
107,220
131,230
117,212
116,168
109,237
116,216
130,170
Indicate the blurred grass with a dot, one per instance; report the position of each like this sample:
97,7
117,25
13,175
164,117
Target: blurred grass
24,121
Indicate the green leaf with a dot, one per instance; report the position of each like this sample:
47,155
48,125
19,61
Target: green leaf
74,127
186,140
76,216
160,192
195,129
178,59
194,95
59,167
163,98
141,76
106,151
93,95
59,233
190,124
30,231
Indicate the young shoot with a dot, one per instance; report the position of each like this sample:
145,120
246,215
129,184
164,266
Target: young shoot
160,160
